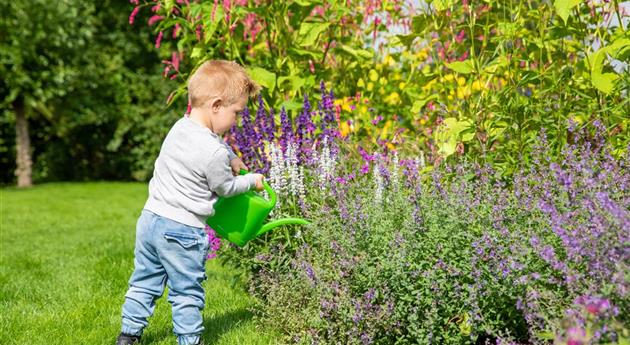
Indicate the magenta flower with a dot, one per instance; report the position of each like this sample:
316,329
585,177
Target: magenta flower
134,13
214,242
158,41
154,19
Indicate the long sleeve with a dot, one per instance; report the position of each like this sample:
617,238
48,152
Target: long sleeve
231,154
220,178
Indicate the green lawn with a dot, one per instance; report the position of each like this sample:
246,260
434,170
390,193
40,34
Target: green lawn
66,256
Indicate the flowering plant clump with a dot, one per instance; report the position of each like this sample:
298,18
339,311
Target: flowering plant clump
214,243
453,78
399,252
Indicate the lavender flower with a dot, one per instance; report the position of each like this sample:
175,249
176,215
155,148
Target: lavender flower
287,135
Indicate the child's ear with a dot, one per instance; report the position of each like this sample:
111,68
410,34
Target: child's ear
216,104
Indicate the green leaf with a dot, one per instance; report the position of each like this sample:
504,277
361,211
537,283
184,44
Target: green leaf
546,335
419,104
168,5
463,67
309,32
210,26
317,55
263,77
406,40
618,47
305,3
196,52
563,7
295,82
604,82
448,134
442,5
421,23
465,326
357,53
291,105
468,135
448,147
500,62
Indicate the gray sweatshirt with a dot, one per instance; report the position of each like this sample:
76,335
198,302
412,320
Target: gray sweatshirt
191,172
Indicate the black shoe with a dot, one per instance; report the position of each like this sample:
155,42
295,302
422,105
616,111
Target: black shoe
126,339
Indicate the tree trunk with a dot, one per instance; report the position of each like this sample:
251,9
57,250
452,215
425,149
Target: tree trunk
23,146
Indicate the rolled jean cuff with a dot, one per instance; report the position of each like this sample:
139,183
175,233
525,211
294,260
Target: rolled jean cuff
131,330
188,339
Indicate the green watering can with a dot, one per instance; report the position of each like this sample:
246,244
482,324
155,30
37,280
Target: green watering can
239,219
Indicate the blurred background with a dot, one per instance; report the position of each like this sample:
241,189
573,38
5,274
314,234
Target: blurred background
89,88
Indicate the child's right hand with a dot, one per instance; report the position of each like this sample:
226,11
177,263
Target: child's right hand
259,182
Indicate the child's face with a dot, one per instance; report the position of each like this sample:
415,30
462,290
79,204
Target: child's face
223,117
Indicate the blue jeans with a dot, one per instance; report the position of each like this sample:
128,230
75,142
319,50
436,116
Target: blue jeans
167,252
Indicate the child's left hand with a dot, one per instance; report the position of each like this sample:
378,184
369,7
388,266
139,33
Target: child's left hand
237,164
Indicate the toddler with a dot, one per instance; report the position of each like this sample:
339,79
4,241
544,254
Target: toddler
195,166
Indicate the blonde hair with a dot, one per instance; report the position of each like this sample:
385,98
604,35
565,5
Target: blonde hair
220,78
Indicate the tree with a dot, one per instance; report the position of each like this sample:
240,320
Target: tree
83,89
40,44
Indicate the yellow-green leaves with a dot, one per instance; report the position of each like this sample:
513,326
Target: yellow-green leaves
419,104
605,82
263,77
442,5
563,7
465,326
196,52
452,131
309,32
463,67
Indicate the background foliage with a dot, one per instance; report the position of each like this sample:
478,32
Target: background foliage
91,85
446,78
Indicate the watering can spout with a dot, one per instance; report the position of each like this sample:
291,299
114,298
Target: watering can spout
280,222
239,219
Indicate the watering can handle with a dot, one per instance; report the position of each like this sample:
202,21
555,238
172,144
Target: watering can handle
270,191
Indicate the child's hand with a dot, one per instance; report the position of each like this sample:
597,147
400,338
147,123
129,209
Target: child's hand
237,164
259,182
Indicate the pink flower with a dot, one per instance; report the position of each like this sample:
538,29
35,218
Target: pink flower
460,37
176,30
198,32
311,66
318,10
576,336
158,41
365,168
133,14
214,8
154,19
214,242
175,61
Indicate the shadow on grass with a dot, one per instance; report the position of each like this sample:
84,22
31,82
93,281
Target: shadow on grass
221,324
214,327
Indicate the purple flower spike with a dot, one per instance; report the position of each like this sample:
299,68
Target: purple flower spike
286,136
